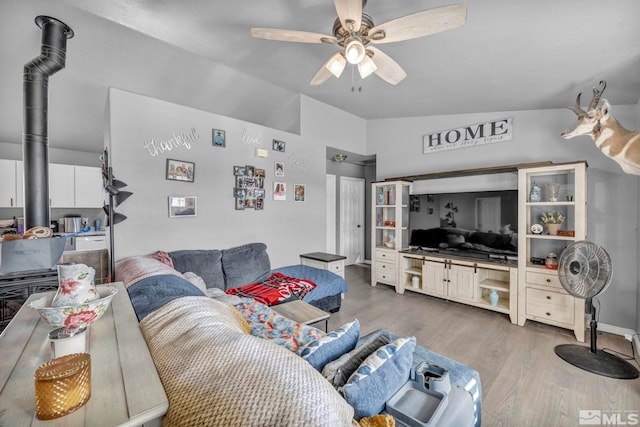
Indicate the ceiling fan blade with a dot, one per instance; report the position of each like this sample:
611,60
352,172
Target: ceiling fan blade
419,24
321,76
388,69
349,10
291,36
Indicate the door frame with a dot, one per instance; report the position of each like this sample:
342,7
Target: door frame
330,244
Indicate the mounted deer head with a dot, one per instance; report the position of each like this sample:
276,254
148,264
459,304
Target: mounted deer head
610,137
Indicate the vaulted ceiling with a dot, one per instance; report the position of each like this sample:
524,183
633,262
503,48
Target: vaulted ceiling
509,56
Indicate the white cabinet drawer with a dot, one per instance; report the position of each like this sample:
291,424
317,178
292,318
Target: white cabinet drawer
550,305
386,275
383,255
90,243
544,279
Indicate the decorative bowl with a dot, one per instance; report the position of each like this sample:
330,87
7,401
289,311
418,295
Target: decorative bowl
74,316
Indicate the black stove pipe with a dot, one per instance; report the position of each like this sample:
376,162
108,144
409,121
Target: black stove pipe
35,139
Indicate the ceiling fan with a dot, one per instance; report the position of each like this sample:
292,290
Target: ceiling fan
354,31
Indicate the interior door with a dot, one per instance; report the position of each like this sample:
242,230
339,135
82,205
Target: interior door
352,219
488,214
331,214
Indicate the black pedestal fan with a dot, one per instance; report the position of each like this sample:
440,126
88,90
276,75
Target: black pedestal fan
585,271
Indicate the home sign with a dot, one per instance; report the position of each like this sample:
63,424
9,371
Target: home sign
469,136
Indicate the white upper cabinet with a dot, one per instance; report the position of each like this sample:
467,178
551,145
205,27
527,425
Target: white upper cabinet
75,186
89,191
11,188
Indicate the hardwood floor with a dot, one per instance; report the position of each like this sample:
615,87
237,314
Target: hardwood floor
524,382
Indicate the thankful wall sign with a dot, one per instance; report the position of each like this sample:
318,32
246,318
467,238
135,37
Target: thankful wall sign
469,136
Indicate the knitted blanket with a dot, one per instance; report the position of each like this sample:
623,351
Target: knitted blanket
214,373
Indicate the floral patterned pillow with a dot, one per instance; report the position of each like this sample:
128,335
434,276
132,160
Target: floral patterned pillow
75,285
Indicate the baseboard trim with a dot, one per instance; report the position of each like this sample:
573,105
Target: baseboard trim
616,330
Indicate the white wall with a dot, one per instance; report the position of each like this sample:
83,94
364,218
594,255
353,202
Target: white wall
334,127
288,228
613,199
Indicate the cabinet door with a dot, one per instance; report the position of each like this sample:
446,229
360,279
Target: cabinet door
462,282
434,277
8,197
88,187
61,186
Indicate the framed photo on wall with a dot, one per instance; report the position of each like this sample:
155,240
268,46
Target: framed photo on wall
182,206
218,138
279,191
279,145
180,170
298,192
279,169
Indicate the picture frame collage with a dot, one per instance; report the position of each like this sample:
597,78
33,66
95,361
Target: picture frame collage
249,192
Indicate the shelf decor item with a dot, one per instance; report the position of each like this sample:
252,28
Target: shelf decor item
494,297
534,194
552,220
552,189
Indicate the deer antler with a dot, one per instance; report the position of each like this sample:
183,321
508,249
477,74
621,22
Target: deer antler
577,108
596,95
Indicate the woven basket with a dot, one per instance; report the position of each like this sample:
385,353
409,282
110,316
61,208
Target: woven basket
62,385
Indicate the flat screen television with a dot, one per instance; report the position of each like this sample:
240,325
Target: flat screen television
477,224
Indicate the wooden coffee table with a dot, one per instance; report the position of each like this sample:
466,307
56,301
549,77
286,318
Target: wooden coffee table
302,312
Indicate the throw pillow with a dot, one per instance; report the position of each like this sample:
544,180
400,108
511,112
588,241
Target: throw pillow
379,377
340,370
331,346
76,285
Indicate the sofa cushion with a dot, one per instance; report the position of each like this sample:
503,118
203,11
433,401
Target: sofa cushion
245,264
331,346
379,377
205,263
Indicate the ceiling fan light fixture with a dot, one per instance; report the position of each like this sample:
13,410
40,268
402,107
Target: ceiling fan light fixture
366,67
336,64
354,51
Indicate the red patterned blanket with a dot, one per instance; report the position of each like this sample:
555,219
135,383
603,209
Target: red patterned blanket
275,289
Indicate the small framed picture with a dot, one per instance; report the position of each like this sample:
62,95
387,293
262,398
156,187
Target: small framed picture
259,193
239,193
182,206
259,204
279,169
238,170
279,191
249,203
180,170
239,204
279,145
298,192
260,172
218,138
249,171
239,181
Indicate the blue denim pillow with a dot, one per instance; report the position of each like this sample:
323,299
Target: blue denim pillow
379,377
331,346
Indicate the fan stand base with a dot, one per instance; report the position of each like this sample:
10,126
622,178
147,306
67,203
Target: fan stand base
600,362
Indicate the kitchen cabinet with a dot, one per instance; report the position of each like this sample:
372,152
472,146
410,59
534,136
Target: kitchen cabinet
75,186
563,189
11,184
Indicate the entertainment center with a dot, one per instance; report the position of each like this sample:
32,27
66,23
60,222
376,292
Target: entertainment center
491,269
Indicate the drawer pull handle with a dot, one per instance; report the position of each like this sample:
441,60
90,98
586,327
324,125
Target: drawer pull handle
548,297
548,280
384,266
548,314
